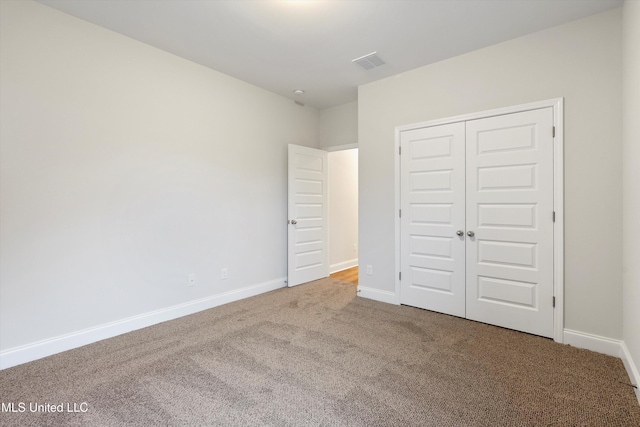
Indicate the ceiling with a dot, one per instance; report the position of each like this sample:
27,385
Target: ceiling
287,44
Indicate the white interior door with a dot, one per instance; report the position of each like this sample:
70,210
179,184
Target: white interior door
308,215
432,203
510,213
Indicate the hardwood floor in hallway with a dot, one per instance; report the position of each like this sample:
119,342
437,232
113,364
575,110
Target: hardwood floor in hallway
348,275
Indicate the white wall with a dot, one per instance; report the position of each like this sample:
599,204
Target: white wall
339,125
580,61
631,182
124,169
343,209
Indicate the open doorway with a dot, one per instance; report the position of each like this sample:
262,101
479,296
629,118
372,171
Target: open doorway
343,213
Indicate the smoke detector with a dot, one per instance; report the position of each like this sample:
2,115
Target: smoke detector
369,61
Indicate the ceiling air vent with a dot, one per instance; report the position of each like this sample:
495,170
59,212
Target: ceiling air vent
369,61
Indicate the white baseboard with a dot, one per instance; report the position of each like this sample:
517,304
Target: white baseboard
334,268
27,353
378,295
591,342
631,368
608,346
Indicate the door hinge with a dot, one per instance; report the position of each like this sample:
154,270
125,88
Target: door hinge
553,132
399,213
400,151
400,275
554,216
554,302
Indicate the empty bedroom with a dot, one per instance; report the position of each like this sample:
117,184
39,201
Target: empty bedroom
294,213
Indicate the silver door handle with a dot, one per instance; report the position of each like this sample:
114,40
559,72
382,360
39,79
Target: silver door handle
470,233
294,222
460,233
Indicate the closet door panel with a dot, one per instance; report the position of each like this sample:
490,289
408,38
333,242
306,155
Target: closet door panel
432,202
509,210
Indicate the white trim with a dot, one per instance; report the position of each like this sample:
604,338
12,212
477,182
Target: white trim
608,346
340,147
29,352
558,189
396,212
558,227
484,114
378,295
631,368
345,265
592,342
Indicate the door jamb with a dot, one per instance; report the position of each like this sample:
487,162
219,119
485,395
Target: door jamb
557,105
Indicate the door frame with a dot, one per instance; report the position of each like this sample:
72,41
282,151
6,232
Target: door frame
557,104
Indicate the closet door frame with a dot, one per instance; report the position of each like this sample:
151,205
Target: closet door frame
557,104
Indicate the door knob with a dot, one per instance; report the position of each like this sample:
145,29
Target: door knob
294,222
460,233
470,233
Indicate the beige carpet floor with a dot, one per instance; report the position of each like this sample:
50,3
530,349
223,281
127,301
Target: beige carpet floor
316,355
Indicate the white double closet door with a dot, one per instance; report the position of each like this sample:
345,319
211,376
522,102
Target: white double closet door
477,220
